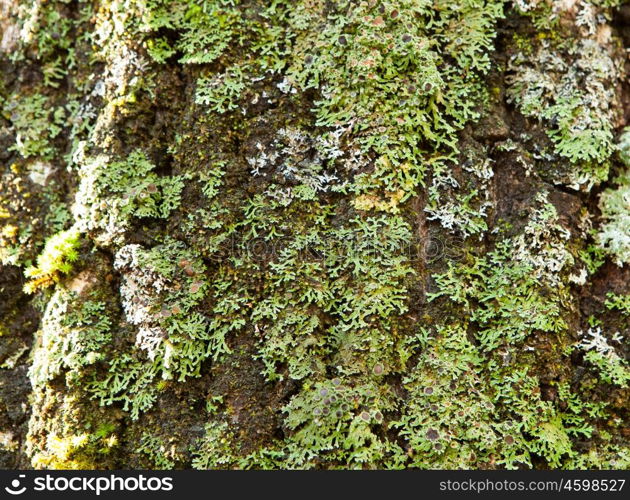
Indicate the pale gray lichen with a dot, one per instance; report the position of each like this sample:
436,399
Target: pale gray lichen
543,243
112,193
575,95
612,367
614,234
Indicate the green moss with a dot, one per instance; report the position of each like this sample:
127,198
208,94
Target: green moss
56,260
593,257
74,452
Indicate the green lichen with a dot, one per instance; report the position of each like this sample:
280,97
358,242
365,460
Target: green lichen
336,421
354,276
216,449
502,297
377,67
580,129
72,337
455,418
36,122
157,452
601,354
111,194
160,294
618,302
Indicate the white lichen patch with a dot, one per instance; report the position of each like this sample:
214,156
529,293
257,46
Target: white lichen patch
542,244
39,172
299,161
140,292
159,289
602,354
460,211
574,93
614,233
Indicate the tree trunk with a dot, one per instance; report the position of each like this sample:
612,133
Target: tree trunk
314,234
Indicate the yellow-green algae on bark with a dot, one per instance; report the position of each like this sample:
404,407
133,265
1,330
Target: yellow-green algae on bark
314,234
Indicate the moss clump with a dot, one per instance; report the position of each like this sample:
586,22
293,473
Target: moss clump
57,259
74,452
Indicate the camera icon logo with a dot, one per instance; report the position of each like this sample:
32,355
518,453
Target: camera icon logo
15,489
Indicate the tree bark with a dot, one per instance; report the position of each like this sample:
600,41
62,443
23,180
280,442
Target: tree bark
314,234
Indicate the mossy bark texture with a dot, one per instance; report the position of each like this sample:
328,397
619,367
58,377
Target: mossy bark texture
269,234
